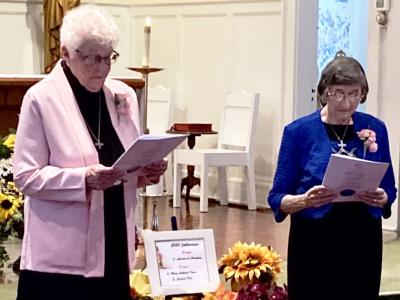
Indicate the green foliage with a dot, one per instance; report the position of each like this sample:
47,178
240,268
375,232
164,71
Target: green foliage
3,256
11,199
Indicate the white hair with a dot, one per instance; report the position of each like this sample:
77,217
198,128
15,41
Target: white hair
88,23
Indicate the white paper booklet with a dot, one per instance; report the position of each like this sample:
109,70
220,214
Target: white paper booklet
349,176
148,149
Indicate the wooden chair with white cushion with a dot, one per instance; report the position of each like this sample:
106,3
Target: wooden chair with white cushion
235,148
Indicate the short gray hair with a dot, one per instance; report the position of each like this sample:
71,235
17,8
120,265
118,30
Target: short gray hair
88,23
342,70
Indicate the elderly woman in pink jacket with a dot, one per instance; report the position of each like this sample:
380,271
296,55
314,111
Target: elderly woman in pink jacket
79,211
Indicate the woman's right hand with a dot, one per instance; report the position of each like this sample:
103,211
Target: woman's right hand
318,195
315,197
99,177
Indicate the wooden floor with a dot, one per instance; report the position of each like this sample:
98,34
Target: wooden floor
230,224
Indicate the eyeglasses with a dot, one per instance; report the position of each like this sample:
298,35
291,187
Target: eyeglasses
91,60
339,95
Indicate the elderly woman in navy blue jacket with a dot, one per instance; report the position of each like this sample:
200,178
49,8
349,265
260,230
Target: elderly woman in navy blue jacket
335,249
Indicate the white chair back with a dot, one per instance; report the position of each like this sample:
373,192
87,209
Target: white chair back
239,121
159,109
237,130
159,118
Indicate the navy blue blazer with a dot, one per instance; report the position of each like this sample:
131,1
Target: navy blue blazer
304,154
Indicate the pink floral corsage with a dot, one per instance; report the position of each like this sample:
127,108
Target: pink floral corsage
121,105
368,136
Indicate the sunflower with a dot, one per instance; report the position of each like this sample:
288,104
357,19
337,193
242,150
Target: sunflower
9,205
10,141
250,261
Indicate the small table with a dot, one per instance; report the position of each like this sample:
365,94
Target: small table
190,180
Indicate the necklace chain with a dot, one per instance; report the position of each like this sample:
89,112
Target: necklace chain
341,140
98,143
341,144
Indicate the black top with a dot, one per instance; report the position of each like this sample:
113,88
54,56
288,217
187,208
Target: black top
340,131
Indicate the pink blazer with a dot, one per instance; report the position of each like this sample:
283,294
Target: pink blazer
64,225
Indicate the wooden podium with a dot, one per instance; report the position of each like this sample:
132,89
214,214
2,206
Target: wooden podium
14,87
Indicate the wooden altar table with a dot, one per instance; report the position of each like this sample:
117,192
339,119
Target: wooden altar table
13,88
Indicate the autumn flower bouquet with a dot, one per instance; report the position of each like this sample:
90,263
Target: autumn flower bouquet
11,199
252,270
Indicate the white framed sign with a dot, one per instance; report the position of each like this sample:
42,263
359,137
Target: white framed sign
181,262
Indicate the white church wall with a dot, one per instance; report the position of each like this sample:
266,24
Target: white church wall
207,49
383,74
21,36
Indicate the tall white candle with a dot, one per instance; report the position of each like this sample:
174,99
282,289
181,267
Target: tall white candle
146,54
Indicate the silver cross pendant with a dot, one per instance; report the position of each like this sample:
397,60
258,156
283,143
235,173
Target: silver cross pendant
99,144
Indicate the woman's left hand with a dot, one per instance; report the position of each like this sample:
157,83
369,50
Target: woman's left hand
154,170
377,198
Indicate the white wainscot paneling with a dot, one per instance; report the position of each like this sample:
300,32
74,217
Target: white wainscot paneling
257,66
256,51
164,48
207,49
205,69
22,37
225,48
124,47
165,51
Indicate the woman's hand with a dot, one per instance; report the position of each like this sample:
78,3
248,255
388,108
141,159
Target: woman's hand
154,170
99,177
315,197
318,195
377,198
